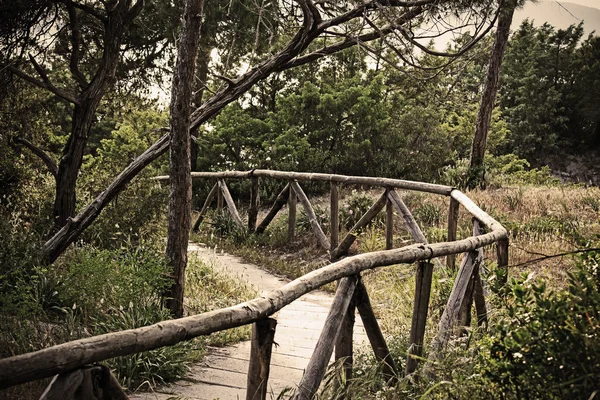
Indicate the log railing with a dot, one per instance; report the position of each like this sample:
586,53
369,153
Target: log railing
69,358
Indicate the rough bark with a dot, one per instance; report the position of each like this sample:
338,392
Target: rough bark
484,117
85,108
180,196
263,334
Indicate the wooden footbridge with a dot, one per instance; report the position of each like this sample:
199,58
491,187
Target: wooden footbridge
71,361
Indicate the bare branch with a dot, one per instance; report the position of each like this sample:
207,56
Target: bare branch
91,11
50,164
463,50
352,41
42,84
547,257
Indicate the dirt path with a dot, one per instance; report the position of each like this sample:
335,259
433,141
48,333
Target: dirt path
222,374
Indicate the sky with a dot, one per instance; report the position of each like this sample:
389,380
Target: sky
561,14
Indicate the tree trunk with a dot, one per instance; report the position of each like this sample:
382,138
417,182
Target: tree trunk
287,58
180,196
484,117
85,110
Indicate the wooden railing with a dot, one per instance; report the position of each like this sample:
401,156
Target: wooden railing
337,331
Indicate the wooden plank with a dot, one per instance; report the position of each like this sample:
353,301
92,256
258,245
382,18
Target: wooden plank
318,362
303,176
209,198
263,332
230,203
376,338
292,207
371,213
452,230
279,202
312,218
389,224
334,220
419,317
254,203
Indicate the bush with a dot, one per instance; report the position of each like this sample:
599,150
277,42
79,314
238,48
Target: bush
356,206
548,344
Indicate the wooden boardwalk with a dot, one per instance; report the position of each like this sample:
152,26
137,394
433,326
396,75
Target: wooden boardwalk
222,374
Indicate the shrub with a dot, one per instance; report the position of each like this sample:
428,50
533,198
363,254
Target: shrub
356,206
548,344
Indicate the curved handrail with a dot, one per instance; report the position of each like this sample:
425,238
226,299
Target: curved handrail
75,354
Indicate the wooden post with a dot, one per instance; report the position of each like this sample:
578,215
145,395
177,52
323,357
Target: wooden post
263,333
219,199
452,229
230,204
310,213
480,306
502,253
320,358
411,223
419,317
254,201
211,195
85,383
389,224
279,202
478,288
334,220
371,213
451,312
343,345
378,344
292,202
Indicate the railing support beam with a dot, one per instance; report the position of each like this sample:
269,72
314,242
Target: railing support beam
263,334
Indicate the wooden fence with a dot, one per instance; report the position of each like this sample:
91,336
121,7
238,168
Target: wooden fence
68,360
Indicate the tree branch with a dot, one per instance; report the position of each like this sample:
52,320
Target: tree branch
50,164
75,44
91,11
43,84
568,253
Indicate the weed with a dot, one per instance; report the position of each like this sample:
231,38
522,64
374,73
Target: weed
356,206
515,200
428,214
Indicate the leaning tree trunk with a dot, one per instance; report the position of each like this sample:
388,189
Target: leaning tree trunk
484,117
181,179
287,58
70,163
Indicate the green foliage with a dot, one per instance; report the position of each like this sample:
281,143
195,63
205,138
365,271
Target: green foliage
95,281
152,367
322,215
548,345
354,208
499,170
138,212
